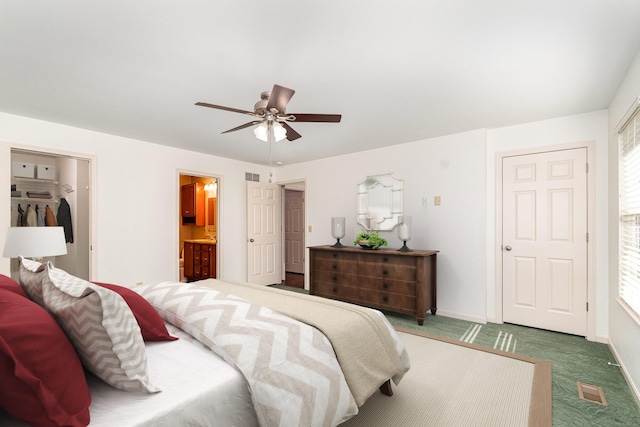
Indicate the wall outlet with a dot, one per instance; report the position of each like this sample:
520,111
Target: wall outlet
310,228
138,283
436,201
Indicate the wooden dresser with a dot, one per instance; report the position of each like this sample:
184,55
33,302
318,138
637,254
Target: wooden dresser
199,261
403,282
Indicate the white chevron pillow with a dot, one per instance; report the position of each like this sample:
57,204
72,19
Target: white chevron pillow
101,327
31,276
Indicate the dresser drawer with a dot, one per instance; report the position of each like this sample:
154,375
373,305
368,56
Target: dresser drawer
401,287
332,290
333,277
339,263
337,254
392,302
388,271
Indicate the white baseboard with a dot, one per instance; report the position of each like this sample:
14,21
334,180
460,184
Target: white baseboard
625,373
602,339
445,313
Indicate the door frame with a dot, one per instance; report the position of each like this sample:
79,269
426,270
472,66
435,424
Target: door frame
591,210
301,185
93,188
218,219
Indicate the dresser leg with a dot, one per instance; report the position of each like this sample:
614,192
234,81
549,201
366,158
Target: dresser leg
420,320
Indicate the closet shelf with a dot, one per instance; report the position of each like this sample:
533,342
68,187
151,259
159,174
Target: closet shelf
34,200
34,180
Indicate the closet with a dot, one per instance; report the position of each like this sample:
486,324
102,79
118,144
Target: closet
45,181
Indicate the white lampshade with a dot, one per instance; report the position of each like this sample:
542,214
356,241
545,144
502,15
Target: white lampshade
34,242
262,132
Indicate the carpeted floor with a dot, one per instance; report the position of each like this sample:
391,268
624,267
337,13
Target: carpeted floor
573,359
456,384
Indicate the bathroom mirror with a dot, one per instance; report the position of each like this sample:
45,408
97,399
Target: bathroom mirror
380,202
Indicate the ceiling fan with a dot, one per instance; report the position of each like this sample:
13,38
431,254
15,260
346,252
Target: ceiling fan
270,113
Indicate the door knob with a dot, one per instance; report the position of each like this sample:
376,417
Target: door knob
251,240
507,248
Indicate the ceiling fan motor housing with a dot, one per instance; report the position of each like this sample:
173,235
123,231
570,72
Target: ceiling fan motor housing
261,106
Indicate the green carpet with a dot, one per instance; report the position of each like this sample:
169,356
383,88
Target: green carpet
574,359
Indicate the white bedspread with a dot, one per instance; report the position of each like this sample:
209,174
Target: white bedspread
191,395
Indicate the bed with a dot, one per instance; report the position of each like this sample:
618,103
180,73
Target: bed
213,375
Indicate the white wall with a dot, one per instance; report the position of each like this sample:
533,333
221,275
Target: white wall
624,331
451,167
135,228
578,128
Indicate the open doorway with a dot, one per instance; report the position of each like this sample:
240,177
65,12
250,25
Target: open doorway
198,234
294,236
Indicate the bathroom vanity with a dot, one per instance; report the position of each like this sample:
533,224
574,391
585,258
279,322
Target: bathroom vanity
199,259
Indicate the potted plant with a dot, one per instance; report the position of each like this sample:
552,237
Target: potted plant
369,239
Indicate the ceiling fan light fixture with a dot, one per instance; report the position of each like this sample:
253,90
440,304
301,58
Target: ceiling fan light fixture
262,131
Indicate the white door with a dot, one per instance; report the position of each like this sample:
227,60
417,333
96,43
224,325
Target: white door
294,231
264,257
544,244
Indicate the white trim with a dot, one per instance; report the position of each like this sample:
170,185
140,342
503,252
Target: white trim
459,316
305,189
635,105
625,373
591,227
93,182
219,221
631,312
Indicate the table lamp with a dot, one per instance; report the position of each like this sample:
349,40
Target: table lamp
404,232
337,230
34,242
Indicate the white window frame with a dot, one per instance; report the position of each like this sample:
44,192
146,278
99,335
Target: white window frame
629,210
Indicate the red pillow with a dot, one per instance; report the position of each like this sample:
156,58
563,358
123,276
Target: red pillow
150,322
11,285
43,382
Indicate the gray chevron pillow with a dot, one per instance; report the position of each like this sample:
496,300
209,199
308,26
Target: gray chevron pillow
31,276
101,327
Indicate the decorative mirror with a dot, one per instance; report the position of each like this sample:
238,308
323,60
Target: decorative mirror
380,202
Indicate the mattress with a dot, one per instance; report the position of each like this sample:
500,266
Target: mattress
191,395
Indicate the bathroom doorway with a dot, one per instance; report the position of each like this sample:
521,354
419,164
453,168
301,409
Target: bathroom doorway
198,227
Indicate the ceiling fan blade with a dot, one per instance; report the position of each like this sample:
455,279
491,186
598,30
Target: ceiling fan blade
325,118
246,125
220,107
279,98
292,135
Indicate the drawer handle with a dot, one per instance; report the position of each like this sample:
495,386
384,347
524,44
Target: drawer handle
385,299
385,259
334,255
334,290
385,286
334,278
385,272
334,266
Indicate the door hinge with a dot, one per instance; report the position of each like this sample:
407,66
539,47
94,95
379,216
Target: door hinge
587,168
587,237
587,306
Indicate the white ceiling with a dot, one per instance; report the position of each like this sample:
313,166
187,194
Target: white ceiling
397,71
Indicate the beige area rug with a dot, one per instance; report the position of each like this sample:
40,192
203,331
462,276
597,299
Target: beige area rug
457,384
